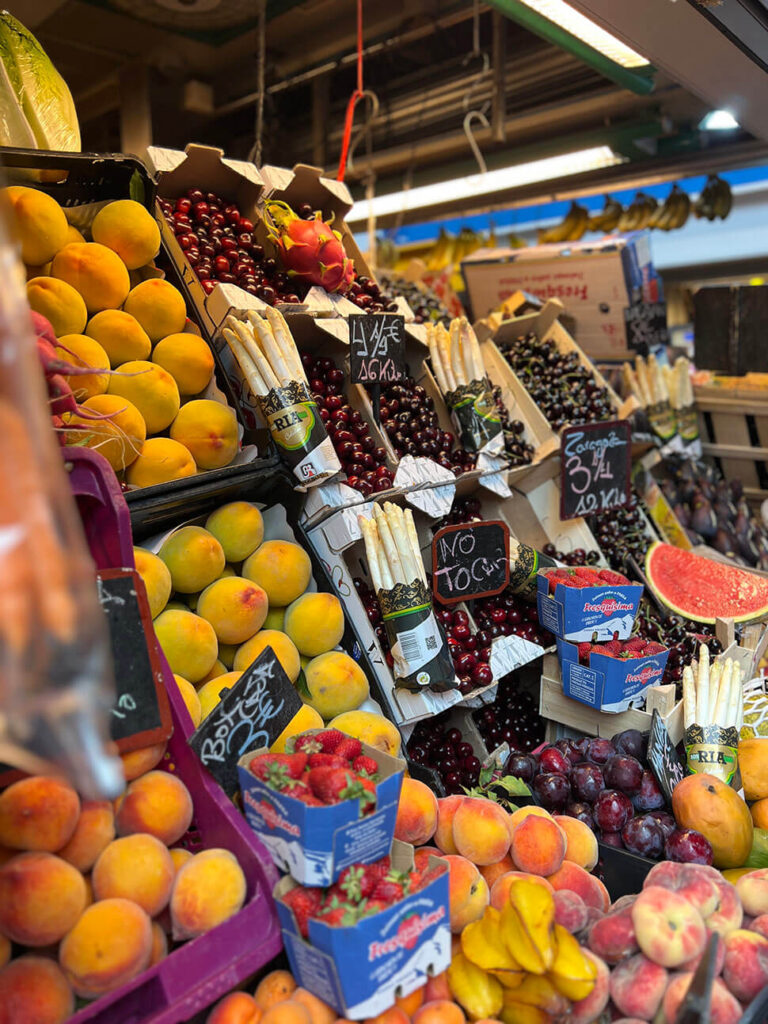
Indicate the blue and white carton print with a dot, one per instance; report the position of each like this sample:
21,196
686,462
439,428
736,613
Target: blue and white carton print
609,684
360,969
315,844
590,614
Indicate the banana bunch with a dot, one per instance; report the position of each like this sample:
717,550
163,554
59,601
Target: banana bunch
608,218
674,213
441,253
570,229
517,965
638,214
716,199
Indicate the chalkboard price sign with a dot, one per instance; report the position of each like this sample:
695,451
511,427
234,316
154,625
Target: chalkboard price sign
377,348
662,757
594,468
646,324
251,714
141,715
469,561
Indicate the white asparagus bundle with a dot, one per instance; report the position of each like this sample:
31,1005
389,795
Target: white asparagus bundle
455,354
713,697
392,547
684,385
264,350
670,382
659,391
631,384
642,380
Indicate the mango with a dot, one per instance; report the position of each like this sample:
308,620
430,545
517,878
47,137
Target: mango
238,527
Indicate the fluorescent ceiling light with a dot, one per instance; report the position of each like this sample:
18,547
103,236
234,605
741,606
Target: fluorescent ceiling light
482,184
570,20
718,120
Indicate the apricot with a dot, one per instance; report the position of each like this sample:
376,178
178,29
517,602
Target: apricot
335,682
41,897
59,303
394,1015
416,813
188,359
127,228
39,222
156,578
319,1012
442,1011
207,891
219,669
238,527
151,389
500,888
137,867
33,990
159,945
211,693
491,872
38,813
446,809
235,607
468,892
188,642
118,434
315,623
538,846
287,1012
275,987
369,727
110,945
409,1004
139,762
280,567
74,234
191,699
159,308
120,335
581,841
283,648
305,718
95,829
481,830
158,803
81,351
208,430
236,1008
195,558
159,461
276,620
95,272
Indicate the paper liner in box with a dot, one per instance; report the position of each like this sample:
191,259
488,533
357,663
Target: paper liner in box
475,414
416,639
299,433
712,749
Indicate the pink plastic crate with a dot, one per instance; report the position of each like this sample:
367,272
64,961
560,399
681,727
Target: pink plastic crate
202,970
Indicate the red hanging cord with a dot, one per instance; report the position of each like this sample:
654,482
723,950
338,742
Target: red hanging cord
356,95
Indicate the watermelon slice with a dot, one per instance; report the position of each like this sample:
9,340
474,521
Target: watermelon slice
704,590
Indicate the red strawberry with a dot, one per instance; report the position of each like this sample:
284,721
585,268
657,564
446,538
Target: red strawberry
388,890
341,915
293,764
372,907
427,877
584,650
304,903
349,748
635,643
365,765
614,578
653,647
374,873
412,881
586,572
329,739
334,784
301,791
368,805
351,882
326,761
307,744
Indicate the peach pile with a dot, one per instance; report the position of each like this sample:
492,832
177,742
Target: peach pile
93,894
221,593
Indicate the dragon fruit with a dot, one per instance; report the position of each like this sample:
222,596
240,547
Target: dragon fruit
310,249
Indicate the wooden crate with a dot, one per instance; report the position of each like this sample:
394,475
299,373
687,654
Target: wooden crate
733,424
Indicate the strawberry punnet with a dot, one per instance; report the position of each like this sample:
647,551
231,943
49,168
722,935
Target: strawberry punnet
310,249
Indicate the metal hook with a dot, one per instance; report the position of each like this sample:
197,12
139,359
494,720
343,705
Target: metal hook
369,95
471,116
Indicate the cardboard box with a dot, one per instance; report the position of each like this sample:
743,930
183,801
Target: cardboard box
596,281
360,970
315,844
588,613
608,684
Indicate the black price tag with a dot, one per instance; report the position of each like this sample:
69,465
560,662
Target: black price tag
376,348
141,715
662,757
594,468
646,324
470,561
251,714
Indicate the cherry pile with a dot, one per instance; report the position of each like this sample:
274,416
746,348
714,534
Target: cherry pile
680,635
622,534
579,556
470,651
363,460
411,423
434,746
506,614
512,718
564,389
516,448
609,786
426,306
367,295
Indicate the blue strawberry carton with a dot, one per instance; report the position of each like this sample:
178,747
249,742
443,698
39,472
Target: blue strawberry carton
315,843
360,968
610,681
573,609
